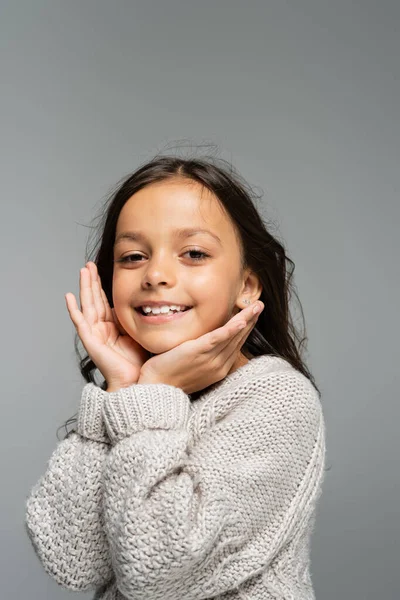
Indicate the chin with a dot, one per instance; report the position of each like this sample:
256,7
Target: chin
155,349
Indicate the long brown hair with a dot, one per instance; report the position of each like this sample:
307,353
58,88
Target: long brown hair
274,332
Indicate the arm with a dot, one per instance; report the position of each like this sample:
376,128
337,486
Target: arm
63,517
191,523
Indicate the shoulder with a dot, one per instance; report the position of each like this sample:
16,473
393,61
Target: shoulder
275,390
267,392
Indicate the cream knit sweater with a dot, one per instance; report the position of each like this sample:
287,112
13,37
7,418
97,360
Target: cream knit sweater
160,497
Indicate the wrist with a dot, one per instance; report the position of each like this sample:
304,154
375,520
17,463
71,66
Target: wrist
143,379
147,378
114,387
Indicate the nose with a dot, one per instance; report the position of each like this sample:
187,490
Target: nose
159,272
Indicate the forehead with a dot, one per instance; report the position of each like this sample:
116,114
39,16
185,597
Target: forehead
161,208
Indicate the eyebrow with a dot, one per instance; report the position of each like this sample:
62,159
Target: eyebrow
183,232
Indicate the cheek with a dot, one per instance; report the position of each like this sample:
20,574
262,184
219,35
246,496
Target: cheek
213,315
123,303
123,290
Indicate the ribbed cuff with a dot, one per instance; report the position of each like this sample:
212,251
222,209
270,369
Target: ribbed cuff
145,406
90,422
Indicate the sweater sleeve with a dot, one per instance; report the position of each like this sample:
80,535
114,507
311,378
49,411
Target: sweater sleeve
190,522
63,516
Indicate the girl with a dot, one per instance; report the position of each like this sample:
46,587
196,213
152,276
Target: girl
195,468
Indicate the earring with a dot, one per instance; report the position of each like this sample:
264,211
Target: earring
246,301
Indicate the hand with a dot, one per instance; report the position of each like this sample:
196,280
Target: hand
196,364
117,356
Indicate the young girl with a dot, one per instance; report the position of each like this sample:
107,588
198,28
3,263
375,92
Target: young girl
195,468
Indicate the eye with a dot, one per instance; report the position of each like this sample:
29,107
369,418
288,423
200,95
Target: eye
204,255
124,259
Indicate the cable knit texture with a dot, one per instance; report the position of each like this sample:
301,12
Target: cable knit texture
157,496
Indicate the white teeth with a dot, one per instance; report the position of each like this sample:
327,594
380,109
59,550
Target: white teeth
156,310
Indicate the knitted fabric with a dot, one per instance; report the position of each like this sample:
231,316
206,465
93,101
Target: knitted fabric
160,497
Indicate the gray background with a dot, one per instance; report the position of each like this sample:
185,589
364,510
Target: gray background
303,97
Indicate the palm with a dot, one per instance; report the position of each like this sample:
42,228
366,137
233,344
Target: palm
123,346
118,357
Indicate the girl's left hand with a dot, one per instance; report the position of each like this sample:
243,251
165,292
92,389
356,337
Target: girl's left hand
198,363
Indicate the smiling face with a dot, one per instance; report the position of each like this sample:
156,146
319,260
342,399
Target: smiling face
165,265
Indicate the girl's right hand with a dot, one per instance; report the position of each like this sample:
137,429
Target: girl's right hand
117,356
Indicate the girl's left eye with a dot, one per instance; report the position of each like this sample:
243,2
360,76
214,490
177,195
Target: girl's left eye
203,256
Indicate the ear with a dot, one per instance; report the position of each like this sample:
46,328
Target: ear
251,288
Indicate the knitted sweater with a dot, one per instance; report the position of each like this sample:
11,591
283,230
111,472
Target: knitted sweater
160,497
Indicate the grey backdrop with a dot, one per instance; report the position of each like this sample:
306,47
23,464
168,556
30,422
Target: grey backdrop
303,97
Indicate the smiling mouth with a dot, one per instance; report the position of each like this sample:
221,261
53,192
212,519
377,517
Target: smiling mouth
152,319
140,310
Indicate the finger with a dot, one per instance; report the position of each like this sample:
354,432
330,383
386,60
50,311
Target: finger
239,340
226,353
248,313
239,322
222,336
88,308
107,307
96,291
229,351
81,325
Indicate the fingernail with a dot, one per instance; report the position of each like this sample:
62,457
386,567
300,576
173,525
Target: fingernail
257,309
